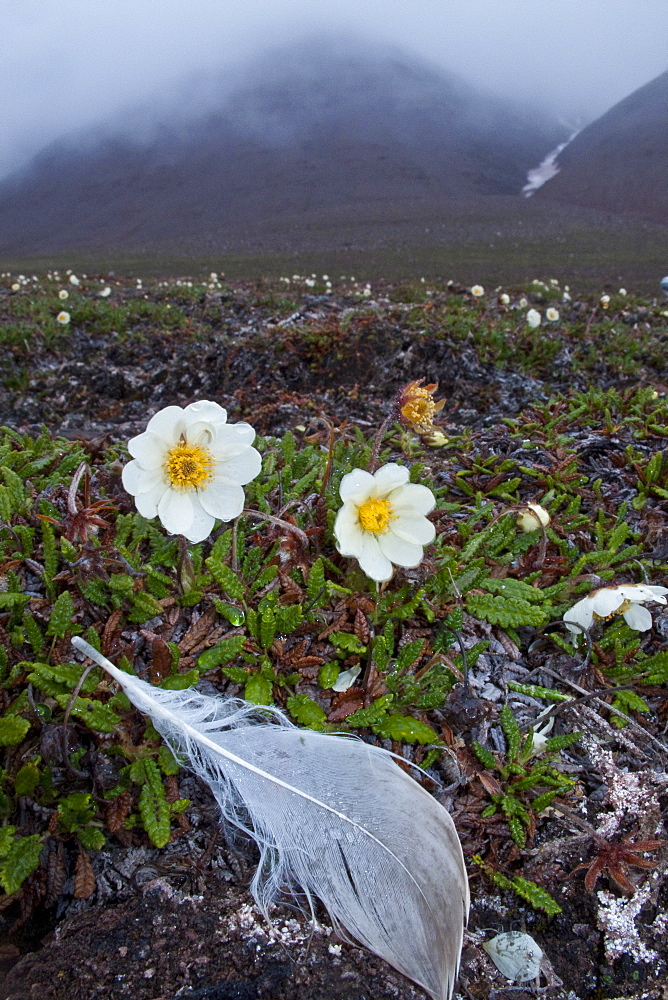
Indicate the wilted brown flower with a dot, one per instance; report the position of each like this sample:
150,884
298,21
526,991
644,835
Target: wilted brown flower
417,406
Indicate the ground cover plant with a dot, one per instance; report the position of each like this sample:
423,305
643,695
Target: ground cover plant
546,743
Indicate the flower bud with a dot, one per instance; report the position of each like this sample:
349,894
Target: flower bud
532,517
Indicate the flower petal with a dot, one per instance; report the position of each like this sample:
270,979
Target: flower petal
202,524
374,563
400,552
147,503
413,528
418,498
222,499
606,600
231,440
148,449
347,530
167,423
356,486
176,512
204,409
241,469
638,618
136,479
582,613
389,477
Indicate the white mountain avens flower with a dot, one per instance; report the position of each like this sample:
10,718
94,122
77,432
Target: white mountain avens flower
609,602
105,293
478,291
533,318
504,299
63,294
189,466
74,280
552,314
63,318
605,301
531,517
382,521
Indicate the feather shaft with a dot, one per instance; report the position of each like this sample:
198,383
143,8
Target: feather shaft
332,816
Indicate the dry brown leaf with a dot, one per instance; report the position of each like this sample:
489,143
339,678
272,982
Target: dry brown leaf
84,877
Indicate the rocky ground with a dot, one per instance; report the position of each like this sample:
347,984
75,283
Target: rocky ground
179,922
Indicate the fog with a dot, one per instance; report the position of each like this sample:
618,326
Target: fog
68,64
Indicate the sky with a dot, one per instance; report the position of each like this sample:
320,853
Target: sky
67,64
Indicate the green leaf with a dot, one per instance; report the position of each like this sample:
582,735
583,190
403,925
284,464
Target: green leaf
259,690
221,653
153,806
306,711
405,729
238,675
26,780
511,731
62,614
328,673
179,682
9,600
509,587
347,642
20,861
504,611
226,579
409,653
373,714
167,762
98,717
316,582
144,607
485,756
13,730
91,838
539,898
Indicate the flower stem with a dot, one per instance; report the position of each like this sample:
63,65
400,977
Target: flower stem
378,440
260,515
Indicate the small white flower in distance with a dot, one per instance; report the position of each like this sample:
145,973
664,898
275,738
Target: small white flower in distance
63,294
605,301
622,291
540,737
531,517
15,286
608,602
504,299
523,303
478,291
533,318
105,293
383,520
74,280
566,297
63,318
189,466
552,314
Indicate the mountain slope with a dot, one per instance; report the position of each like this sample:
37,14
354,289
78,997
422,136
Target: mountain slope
619,163
315,129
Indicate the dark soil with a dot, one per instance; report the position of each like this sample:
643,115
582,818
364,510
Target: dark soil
179,922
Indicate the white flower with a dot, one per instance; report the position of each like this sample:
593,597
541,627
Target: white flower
504,299
523,303
15,286
74,280
532,516
63,318
189,466
105,293
566,297
383,521
605,301
346,678
552,314
533,318
540,736
608,602
622,291
63,294
478,291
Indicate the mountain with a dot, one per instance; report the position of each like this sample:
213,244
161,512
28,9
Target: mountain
319,130
619,163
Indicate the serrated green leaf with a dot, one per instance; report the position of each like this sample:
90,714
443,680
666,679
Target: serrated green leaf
306,711
144,607
373,714
505,611
9,600
20,861
316,581
328,673
27,779
405,729
485,756
153,806
226,578
13,730
62,614
259,690
179,682
509,587
98,717
511,731
221,653
539,898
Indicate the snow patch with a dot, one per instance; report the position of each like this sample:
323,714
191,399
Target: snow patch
547,169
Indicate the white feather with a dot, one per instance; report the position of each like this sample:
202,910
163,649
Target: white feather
333,817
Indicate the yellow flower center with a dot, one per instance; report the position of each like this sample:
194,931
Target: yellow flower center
188,466
419,411
624,606
375,516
